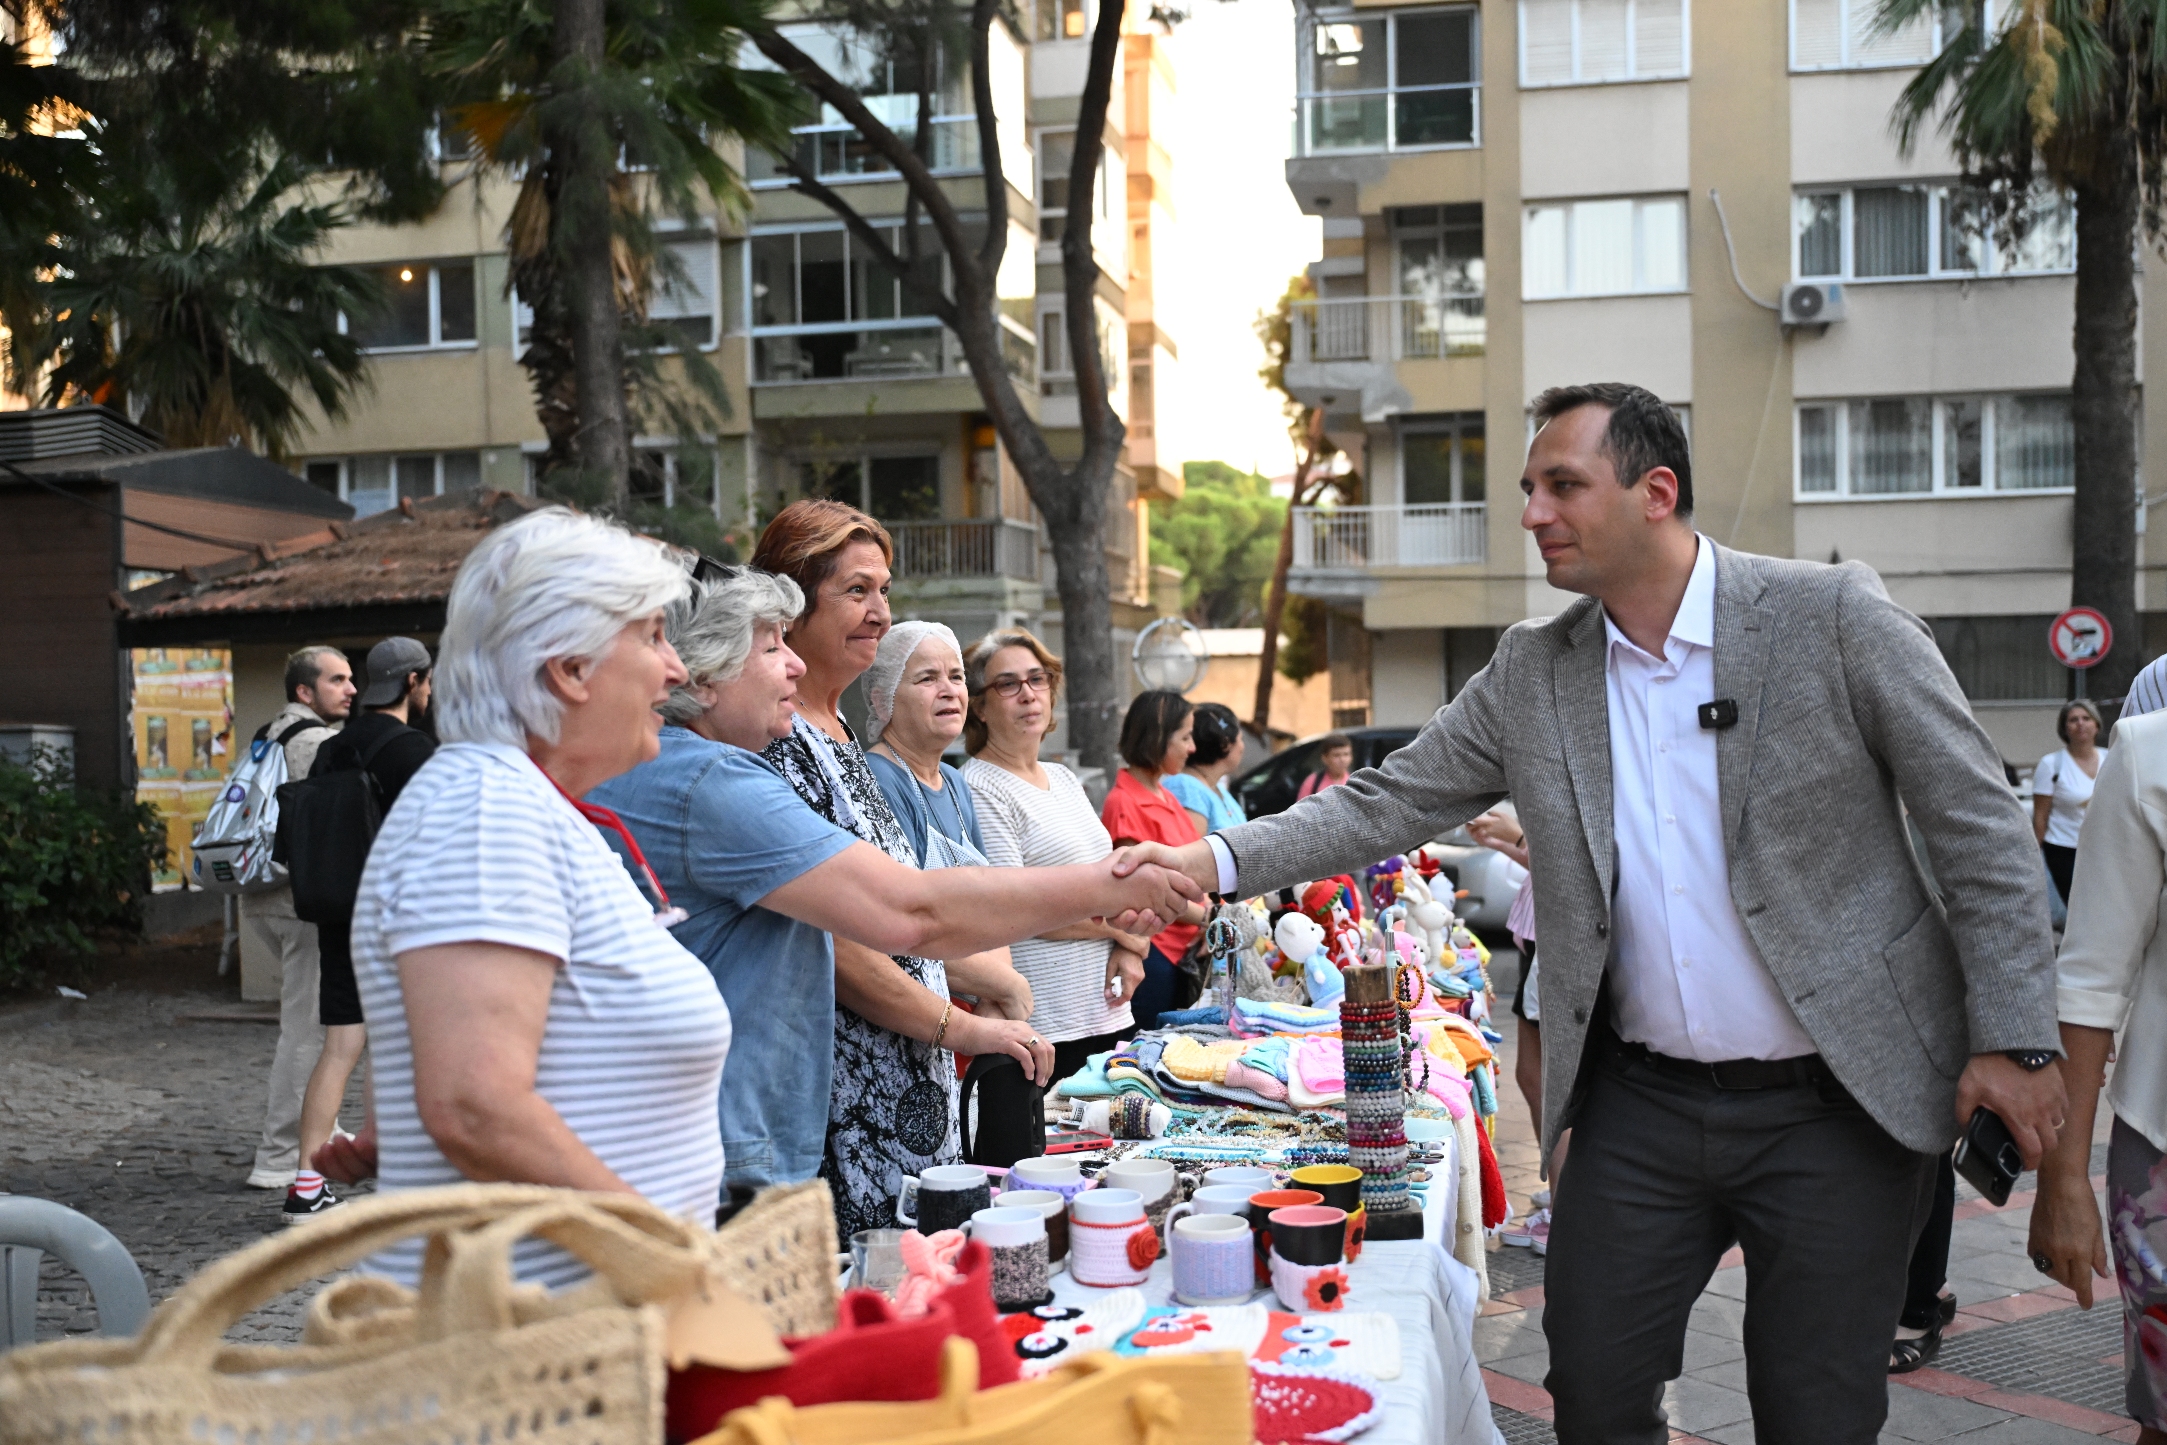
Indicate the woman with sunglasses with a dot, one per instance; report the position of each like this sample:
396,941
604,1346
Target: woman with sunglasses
1034,815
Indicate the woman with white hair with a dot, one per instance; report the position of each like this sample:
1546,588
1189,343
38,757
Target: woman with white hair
530,1018
916,695
765,880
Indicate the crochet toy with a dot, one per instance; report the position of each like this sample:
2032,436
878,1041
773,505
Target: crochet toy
1302,941
1429,916
1384,882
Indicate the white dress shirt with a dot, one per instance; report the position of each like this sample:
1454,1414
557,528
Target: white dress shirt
1685,977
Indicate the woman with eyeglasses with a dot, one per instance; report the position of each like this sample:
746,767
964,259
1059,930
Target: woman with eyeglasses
1035,815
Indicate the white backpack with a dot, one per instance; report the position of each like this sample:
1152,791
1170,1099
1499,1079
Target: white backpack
233,847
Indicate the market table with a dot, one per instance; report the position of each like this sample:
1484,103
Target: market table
1432,1297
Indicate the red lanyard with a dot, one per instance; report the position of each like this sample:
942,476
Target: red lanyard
602,817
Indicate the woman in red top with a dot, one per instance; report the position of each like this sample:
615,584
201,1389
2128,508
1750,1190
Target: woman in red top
1155,743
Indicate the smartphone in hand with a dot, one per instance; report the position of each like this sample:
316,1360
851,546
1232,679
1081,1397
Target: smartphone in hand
1987,1156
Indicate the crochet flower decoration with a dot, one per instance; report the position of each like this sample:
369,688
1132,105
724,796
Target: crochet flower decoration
931,1262
1143,1248
1326,1289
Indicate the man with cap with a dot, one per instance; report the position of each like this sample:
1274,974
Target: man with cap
382,740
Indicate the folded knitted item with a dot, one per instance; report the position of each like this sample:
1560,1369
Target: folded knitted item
1493,1182
1088,1082
1203,1014
1199,1063
1269,1056
1245,1098
1241,1075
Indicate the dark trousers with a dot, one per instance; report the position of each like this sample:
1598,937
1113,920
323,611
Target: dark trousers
1069,1055
1930,1259
1665,1175
2061,866
1155,995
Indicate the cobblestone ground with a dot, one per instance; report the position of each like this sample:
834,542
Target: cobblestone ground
134,1109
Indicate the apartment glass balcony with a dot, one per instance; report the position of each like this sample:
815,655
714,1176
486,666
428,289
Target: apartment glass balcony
979,547
1367,539
903,348
1388,328
1387,120
838,153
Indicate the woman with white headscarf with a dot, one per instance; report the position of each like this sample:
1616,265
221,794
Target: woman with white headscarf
916,695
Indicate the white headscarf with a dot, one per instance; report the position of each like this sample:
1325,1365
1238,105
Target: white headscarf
886,673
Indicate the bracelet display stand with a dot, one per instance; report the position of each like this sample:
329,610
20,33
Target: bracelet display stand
1376,1106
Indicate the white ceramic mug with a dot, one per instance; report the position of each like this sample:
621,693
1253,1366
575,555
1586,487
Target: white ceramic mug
945,1195
1153,1179
1016,1237
1212,1199
1110,1241
1212,1259
1247,1177
1050,1203
1004,1225
1058,1172
1107,1206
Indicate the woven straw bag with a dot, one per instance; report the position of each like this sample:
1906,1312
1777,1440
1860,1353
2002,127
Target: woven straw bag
473,1356
1199,1399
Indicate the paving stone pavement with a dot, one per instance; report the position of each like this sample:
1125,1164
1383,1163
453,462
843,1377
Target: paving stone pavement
146,1120
2021,1365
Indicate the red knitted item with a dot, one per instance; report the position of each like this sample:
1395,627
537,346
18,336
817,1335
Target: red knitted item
1288,1406
1493,1182
869,1355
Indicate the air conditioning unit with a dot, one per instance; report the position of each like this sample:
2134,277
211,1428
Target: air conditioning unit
1812,303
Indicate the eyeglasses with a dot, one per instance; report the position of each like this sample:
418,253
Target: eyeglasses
1038,682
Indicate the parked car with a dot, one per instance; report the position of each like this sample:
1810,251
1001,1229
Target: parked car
1491,879
1269,787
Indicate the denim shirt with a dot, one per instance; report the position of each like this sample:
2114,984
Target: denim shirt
722,830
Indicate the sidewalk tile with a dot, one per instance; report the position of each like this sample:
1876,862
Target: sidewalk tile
2015,1307
1940,1382
1516,1394
1529,1368
2024,1431
1527,1299
1719,1316
2060,1412
1922,1415
1699,1406
1703,1350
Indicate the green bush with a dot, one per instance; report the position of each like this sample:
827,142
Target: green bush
70,861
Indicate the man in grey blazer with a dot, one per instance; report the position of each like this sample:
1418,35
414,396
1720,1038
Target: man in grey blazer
1757,1021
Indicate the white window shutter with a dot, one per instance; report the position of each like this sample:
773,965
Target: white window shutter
1603,26
1912,45
692,296
1817,33
1546,42
1542,253
1658,38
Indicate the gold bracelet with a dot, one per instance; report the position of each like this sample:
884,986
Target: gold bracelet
947,1013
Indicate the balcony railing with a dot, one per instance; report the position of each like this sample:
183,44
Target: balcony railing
838,152
1388,328
1388,120
897,349
984,547
1441,534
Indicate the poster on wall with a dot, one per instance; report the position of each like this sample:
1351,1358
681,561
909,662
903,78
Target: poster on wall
182,715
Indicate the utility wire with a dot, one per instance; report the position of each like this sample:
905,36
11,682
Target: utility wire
234,543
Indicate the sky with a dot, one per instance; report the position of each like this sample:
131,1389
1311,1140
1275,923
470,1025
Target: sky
1238,235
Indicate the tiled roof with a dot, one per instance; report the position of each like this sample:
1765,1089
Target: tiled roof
404,556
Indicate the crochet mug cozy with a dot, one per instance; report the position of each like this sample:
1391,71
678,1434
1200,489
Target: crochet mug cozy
1110,1242
1211,1256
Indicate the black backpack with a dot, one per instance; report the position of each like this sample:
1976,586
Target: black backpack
1009,1120
326,822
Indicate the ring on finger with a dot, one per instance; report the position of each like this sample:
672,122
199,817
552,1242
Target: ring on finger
2043,1263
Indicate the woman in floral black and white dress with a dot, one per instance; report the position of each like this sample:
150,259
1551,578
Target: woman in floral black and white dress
893,1109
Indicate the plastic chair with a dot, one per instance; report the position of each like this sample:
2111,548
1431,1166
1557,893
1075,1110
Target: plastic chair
31,1228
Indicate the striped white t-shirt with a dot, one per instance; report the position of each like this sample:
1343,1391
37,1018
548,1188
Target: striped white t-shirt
482,848
1027,828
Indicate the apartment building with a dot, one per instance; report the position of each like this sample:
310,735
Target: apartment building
837,385
1518,195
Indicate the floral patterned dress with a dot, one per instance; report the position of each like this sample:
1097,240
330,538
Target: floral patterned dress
893,1109
2137,1232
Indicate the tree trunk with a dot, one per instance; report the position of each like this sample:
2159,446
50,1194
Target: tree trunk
1076,530
2103,562
586,156
1275,597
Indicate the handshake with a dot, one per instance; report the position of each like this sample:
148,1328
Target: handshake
1156,886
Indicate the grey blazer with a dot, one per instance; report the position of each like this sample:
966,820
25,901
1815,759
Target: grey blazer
1844,705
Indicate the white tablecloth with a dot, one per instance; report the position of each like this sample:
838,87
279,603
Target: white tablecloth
1438,1398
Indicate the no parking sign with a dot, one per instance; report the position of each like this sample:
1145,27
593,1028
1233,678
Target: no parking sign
2080,638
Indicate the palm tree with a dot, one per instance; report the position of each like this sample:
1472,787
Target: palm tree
208,316
2072,93
609,134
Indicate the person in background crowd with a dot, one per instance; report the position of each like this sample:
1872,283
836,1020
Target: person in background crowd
893,1109
917,697
529,1019
320,693
1501,833
2062,789
1201,787
397,697
2112,978
1337,756
1156,741
2147,691
1034,814
1729,1076
764,880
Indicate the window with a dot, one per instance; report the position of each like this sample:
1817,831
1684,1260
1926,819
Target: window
1872,233
891,489
1841,34
1062,20
1056,365
1441,461
1586,42
831,147
425,305
1403,81
2001,659
1056,158
1919,446
685,296
378,483
1437,254
1604,248
450,142
674,476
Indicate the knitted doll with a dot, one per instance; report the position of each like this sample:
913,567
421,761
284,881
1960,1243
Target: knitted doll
1303,941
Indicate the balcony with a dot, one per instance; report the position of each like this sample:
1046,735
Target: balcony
1342,545
892,350
1344,349
982,547
836,152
